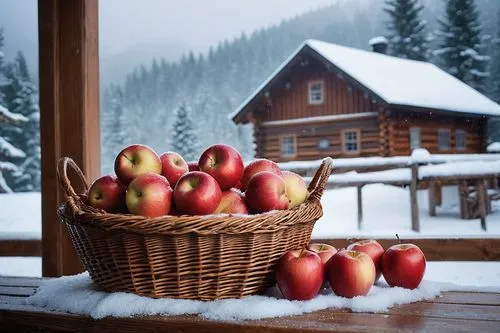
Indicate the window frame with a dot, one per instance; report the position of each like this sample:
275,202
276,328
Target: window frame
322,91
282,137
358,141
464,133
448,132
413,130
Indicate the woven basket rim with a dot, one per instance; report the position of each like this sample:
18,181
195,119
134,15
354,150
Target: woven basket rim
75,211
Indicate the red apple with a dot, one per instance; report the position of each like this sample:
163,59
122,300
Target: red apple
299,274
324,251
372,248
296,188
136,160
107,193
193,166
238,186
197,193
403,265
149,195
232,202
350,273
266,191
257,166
173,167
224,163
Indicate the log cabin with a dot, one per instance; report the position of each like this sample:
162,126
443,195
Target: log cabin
331,100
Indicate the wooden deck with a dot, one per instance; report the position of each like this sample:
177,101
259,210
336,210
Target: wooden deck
452,312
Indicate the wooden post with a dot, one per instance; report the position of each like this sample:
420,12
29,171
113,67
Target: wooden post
462,197
69,114
415,222
360,207
481,202
432,198
438,193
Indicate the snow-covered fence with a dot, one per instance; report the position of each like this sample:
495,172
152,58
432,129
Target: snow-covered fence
386,163
420,167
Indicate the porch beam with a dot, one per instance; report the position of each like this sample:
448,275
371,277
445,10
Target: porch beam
69,113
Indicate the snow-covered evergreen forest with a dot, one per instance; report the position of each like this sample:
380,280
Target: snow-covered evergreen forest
458,35
19,126
158,99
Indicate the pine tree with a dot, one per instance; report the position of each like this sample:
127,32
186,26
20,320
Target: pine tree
8,120
21,97
406,29
494,84
494,80
114,127
184,139
461,49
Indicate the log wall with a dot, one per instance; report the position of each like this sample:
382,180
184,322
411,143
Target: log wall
400,122
308,137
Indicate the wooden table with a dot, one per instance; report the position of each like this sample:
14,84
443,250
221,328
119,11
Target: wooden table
452,312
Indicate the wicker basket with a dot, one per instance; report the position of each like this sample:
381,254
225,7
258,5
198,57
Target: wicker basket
191,257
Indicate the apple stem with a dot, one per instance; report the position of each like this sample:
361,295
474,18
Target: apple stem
399,240
302,251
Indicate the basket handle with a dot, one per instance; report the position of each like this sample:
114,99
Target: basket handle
318,183
62,176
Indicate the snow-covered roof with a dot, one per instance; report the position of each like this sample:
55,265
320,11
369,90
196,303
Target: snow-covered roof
396,81
378,40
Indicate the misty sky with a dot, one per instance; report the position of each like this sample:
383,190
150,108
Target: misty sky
196,23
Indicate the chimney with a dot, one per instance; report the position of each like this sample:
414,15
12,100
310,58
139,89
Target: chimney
379,44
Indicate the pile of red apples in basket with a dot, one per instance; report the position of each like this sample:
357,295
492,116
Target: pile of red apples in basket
153,185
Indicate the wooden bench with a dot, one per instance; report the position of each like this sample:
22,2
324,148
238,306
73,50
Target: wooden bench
452,312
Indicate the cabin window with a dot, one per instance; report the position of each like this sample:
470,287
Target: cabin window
316,92
444,139
415,138
460,140
288,146
324,144
351,141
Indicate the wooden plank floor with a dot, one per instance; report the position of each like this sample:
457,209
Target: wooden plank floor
452,312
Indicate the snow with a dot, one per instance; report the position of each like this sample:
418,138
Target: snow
397,81
386,211
20,216
3,184
4,113
493,147
471,168
77,294
8,150
8,166
378,40
420,156
373,162
21,266
386,176
319,119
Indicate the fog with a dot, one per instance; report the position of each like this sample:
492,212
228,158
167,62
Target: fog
139,29
198,23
